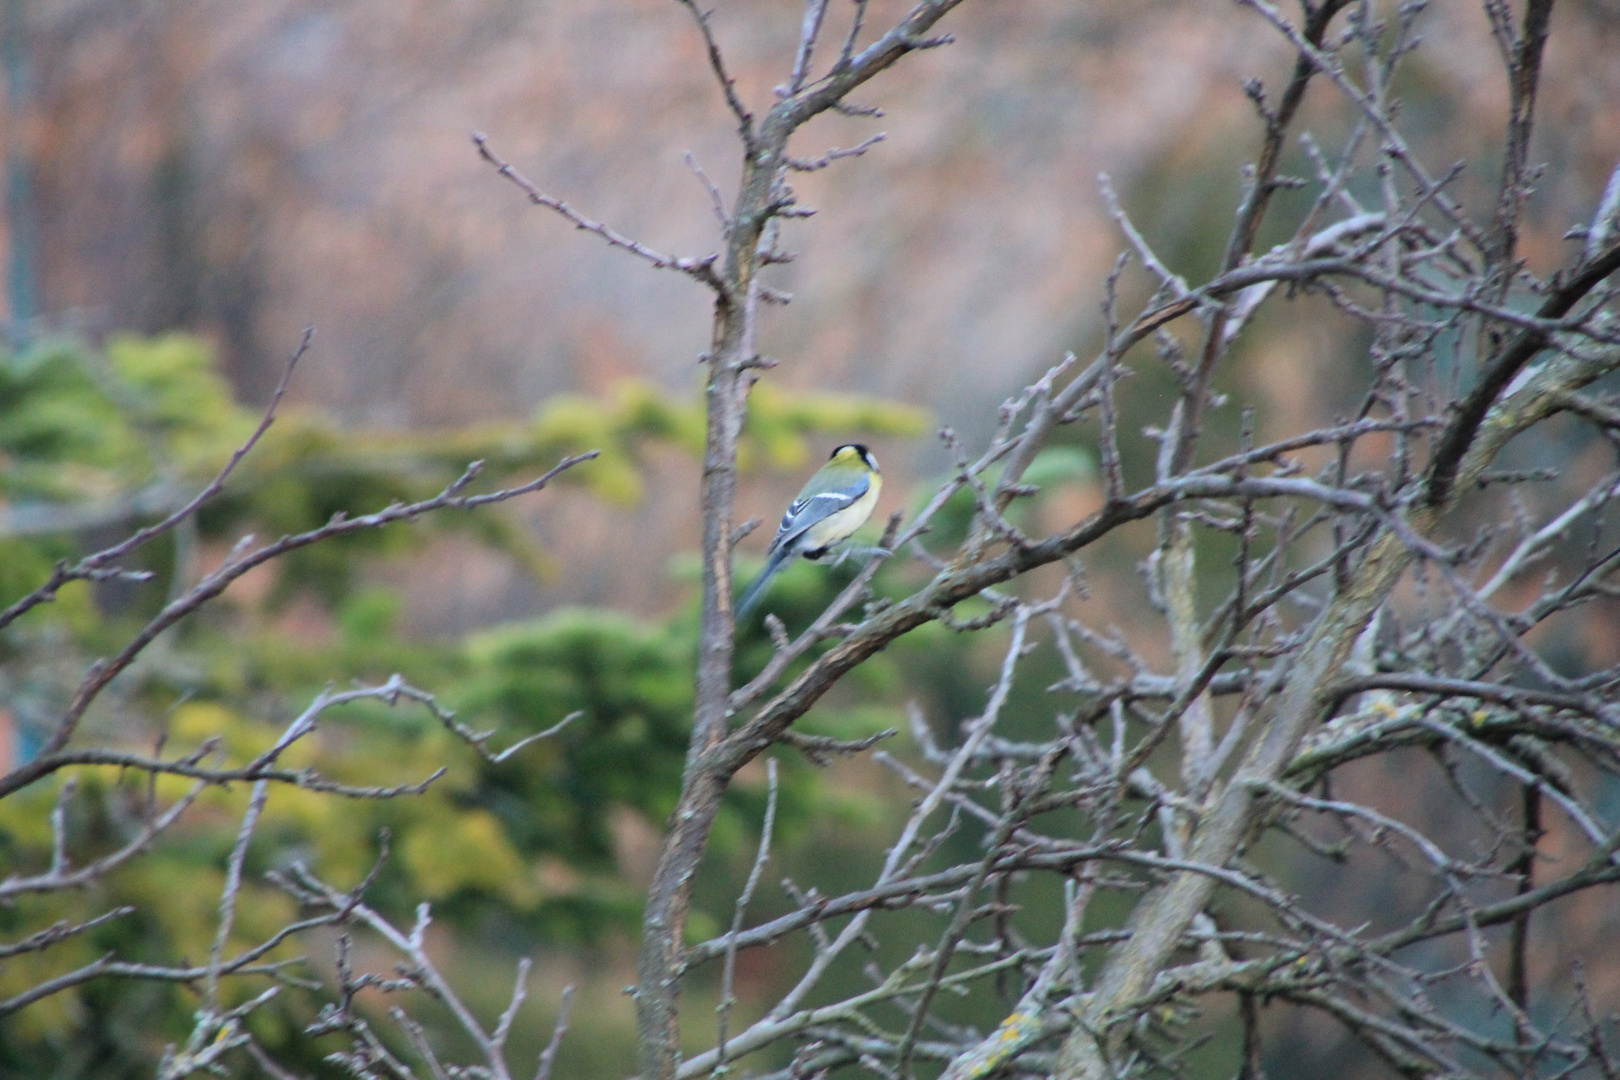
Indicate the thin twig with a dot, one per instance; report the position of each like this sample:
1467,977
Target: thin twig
702,269
728,973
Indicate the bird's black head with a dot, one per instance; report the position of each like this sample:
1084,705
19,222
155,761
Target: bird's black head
859,450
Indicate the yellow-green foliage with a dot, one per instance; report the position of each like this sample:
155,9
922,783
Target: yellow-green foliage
81,429
780,421
77,425
528,849
169,390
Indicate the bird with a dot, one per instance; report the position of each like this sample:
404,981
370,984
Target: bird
835,502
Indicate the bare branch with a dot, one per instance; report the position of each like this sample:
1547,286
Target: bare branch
700,269
104,671
548,1056
728,85
728,974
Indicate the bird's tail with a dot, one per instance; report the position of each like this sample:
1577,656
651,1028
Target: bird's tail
756,591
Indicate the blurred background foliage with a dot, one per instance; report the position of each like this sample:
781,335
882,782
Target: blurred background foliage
541,851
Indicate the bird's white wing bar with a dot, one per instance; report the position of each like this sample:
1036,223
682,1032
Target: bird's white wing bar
812,509
823,505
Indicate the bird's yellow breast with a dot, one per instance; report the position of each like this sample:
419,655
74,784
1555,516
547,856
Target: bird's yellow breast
839,525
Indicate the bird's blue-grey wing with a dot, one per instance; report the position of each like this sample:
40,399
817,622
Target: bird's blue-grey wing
809,509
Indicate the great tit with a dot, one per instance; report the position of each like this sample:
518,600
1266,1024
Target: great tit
835,502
